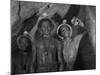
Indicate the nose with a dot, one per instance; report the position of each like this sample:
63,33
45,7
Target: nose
46,31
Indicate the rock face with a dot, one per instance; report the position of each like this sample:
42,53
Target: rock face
21,10
14,11
89,18
86,54
91,21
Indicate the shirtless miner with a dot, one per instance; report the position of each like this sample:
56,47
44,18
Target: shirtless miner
47,51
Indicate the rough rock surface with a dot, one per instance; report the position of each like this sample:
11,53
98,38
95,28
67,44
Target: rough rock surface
21,10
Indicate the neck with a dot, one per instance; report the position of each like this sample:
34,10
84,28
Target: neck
67,38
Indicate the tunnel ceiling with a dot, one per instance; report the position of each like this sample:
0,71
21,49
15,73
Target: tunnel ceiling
29,8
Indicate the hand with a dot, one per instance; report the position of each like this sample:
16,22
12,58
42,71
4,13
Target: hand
76,21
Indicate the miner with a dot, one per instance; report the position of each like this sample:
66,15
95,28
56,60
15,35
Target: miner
70,44
47,51
22,57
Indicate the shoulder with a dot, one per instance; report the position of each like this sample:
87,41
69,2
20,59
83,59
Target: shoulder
37,43
57,42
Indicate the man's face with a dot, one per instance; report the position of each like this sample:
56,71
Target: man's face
45,28
65,31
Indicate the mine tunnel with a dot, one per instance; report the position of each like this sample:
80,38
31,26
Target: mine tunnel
25,16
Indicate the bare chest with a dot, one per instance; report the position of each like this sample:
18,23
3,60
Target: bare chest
46,45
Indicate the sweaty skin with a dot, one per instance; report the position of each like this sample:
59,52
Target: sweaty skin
48,55
70,44
70,51
47,51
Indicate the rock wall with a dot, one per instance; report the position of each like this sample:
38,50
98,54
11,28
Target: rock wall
21,10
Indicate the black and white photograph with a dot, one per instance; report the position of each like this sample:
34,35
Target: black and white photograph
52,37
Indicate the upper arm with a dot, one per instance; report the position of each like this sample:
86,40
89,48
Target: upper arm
60,52
76,40
74,46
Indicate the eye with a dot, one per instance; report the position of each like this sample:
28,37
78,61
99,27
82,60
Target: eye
63,30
